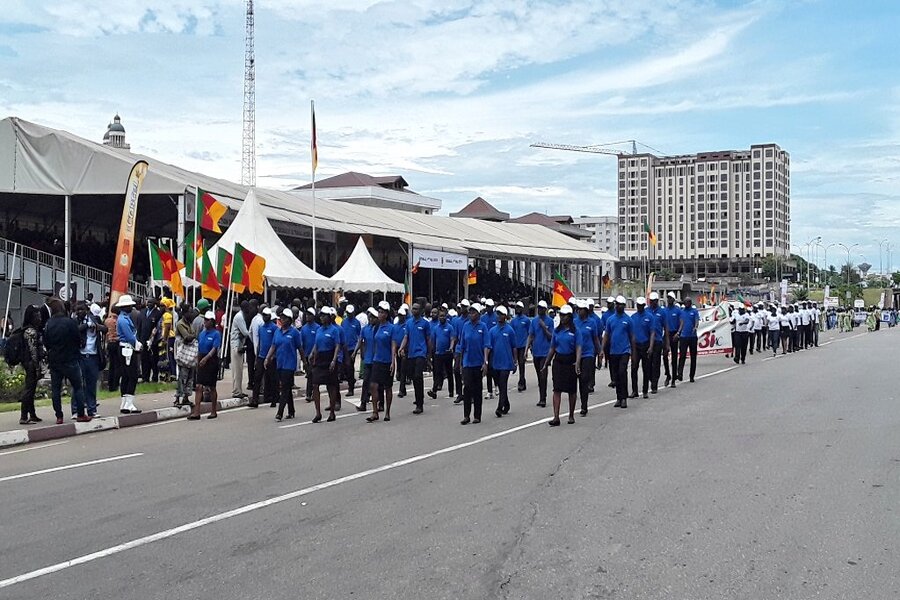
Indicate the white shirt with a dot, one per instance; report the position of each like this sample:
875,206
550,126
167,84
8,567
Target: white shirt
239,330
742,323
786,321
804,316
774,322
254,328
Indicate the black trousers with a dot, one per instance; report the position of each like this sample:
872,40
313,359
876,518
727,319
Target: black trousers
686,345
618,366
150,361
673,354
457,376
401,373
443,369
472,391
761,337
349,367
366,384
541,377
521,362
114,364
490,381
588,364
285,379
502,379
28,390
642,362
612,373
655,360
251,364
265,380
129,375
415,372
309,381
742,339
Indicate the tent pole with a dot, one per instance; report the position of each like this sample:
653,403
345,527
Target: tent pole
409,258
314,150
67,270
431,284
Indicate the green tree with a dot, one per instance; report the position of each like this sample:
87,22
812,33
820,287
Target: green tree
800,294
666,275
895,278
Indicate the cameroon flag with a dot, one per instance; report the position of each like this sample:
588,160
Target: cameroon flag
473,276
561,291
210,288
248,271
209,211
223,268
193,251
164,268
650,235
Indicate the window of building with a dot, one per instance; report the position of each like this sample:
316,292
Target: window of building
769,152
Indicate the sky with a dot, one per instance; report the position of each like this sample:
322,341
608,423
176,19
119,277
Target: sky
451,93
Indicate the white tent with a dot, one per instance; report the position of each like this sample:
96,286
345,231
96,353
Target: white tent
252,230
361,274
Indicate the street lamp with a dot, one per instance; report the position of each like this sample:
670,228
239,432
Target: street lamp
826,255
809,244
849,266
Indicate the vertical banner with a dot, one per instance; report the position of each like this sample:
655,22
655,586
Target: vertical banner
125,247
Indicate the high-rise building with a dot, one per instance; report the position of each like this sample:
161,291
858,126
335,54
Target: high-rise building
115,135
713,213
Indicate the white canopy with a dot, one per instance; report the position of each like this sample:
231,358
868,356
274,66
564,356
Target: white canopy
361,274
252,230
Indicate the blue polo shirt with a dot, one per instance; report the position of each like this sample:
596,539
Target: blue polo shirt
673,318
417,332
207,340
266,332
690,317
540,345
286,343
399,331
521,325
308,336
351,330
642,325
587,331
328,338
384,339
472,342
658,322
618,328
502,342
368,336
442,335
489,319
566,341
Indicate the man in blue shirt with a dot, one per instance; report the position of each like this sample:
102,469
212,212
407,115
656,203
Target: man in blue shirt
367,346
502,357
619,346
643,329
670,348
443,337
489,318
590,345
351,329
660,336
282,355
415,348
472,348
610,311
265,376
521,325
687,338
540,334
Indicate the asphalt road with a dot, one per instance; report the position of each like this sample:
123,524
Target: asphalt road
778,479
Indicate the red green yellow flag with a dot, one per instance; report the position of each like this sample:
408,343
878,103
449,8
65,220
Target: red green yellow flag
164,268
193,252
223,268
209,211
561,291
248,271
209,283
650,235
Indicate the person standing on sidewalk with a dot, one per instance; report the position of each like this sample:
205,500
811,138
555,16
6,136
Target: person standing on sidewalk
130,348
187,369
92,333
521,325
63,343
238,336
208,343
113,352
31,362
540,334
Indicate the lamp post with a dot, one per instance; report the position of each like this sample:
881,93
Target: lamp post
826,255
809,245
880,261
849,266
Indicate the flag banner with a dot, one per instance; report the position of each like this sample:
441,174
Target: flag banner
415,268
561,291
224,268
127,227
407,295
714,331
247,271
473,276
651,278
313,143
209,283
157,270
193,252
650,235
209,211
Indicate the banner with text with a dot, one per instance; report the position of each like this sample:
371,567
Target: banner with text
714,331
125,246
434,259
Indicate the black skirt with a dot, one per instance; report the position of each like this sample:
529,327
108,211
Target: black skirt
321,371
208,374
564,379
381,374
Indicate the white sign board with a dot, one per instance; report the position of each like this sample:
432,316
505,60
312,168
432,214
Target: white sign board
433,259
831,301
859,303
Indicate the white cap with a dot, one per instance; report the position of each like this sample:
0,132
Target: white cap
590,301
672,296
384,305
341,300
620,299
311,311
444,305
520,304
287,313
610,299
476,307
95,309
267,311
583,304
404,306
542,304
210,315
489,302
641,300
452,312
502,310
464,302
402,310
350,308
124,300
373,311
565,309
654,296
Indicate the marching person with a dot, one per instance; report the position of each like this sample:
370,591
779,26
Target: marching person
687,338
618,343
590,347
308,336
741,335
502,357
472,347
773,322
489,318
670,349
325,361
610,311
351,329
130,349
415,348
540,335
443,338
803,313
399,332
384,363
644,333
565,356
521,324
282,356
786,324
660,335
266,375
208,343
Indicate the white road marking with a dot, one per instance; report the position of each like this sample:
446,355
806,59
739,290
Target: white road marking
162,535
184,419
353,414
30,448
719,372
66,467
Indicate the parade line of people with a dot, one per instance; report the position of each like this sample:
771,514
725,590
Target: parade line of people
469,347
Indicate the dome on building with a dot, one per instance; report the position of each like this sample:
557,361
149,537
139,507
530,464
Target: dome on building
115,134
116,125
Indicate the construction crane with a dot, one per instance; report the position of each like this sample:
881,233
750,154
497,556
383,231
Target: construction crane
248,146
597,148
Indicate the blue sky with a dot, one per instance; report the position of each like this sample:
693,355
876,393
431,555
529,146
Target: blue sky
450,93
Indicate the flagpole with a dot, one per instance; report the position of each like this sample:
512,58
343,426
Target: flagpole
194,249
314,159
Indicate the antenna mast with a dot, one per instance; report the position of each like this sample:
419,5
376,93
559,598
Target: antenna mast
248,148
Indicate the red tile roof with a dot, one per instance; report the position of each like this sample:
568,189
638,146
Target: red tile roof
479,208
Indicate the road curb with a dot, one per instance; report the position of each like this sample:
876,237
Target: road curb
17,437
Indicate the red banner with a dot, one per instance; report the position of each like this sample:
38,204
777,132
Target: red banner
125,247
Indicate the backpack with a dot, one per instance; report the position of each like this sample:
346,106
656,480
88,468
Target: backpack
14,350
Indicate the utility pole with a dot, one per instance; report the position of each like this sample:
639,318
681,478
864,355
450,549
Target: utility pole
248,145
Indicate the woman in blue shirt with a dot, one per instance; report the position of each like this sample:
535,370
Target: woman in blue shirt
565,347
209,340
384,362
472,348
283,352
325,358
366,346
502,345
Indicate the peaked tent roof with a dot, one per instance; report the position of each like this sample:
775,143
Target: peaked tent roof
252,230
479,208
355,179
361,274
554,223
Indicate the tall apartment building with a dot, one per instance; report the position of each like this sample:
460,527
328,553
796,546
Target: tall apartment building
714,213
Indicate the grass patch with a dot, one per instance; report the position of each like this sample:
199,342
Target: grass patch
142,388
6,407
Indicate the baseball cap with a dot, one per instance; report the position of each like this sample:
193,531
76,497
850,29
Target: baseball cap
210,315
287,313
489,302
641,300
404,306
267,311
672,296
565,309
583,304
202,304
620,299
384,305
502,310
402,310
464,302
519,304
542,304
452,312
311,311
654,296
350,308
341,300
373,311
590,301
444,305
476,307
610,299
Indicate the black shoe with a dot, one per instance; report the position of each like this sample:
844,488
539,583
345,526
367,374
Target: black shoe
668,379
337,408
646,396
193,417
618,404
692,380
542,404
499,413
634,395
371,419
505,409
361,408
465,421
273,404
458,400
253,405
653,391
330,418
611,384
624,404
476,421
401,394
417,411
584,412
431,394
381,406
290,416
571,421
349,394
553,423
316,418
